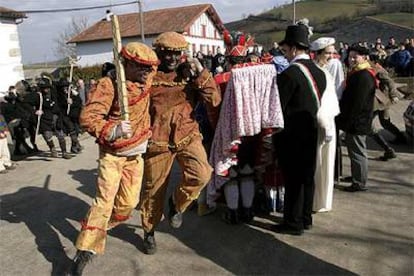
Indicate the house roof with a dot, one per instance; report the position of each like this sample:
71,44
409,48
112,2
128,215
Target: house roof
178,19
9,13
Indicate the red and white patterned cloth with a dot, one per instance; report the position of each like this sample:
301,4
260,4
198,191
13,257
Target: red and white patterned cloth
251,103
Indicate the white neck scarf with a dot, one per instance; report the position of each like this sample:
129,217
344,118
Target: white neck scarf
301,56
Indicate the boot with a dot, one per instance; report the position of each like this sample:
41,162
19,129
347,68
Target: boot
247,215
62,144
82,258
76,147
52,148
150,246
66,155
175,217
389,154
231,216
17,150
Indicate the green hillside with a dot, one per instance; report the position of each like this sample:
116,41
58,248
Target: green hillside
318,11
325,16
399,18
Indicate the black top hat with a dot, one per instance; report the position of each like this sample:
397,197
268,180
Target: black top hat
361,50
297,34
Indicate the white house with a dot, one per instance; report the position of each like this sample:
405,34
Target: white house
11,68
200,24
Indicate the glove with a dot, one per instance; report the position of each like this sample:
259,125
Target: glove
123,129
70,101
74,92
195,63
38,112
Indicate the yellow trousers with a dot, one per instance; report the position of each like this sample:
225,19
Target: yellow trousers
196,172
117,194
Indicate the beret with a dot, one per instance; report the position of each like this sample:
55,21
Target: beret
140,53
171,41
322,43
361,50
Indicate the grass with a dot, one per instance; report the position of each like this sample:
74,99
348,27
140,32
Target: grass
399,18
320,10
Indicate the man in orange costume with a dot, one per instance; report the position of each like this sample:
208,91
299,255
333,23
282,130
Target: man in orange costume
176,90
121,145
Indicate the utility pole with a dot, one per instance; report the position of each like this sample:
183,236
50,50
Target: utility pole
141,19
294,12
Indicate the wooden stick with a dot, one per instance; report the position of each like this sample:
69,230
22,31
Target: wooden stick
120,73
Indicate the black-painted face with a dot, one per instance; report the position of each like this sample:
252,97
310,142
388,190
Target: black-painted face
136,72
169,60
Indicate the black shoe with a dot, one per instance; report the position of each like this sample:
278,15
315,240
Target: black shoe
231,216
66,155
390,154
150,247
81,259
247,215
175,218
286,229
355,188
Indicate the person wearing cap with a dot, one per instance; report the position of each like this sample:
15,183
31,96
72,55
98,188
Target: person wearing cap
355,119
48,113
302,87
175,91
121,146
69,120
324,49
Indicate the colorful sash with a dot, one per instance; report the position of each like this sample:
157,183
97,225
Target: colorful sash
316,95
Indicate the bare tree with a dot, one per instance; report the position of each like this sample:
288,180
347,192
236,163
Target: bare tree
75,27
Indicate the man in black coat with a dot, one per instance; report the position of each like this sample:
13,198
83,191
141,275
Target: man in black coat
355,119
301,87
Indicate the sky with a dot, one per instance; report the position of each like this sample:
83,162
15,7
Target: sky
39,32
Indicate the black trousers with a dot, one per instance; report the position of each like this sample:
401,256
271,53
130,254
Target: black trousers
297,159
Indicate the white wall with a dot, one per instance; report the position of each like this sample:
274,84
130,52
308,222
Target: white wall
99,52
11,68
198,41
212,35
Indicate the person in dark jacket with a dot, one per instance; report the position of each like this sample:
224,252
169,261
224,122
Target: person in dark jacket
400,60
355,119
69,111
47,112
19,114
301,87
